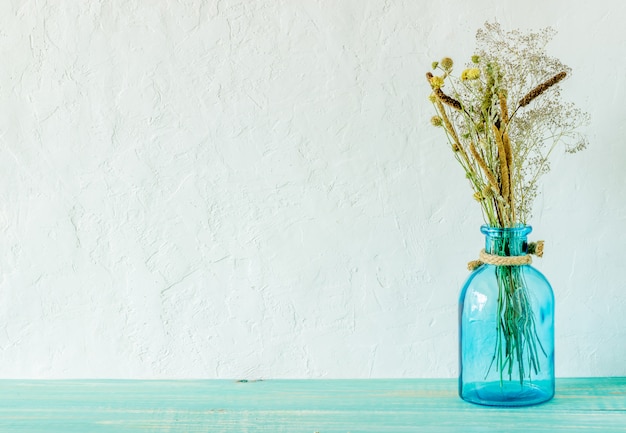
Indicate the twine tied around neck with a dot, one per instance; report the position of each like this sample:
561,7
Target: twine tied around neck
535,248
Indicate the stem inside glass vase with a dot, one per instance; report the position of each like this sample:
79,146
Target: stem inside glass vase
518,346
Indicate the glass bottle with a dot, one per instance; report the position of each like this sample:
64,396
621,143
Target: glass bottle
506,328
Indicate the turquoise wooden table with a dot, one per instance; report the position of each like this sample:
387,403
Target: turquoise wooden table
308,406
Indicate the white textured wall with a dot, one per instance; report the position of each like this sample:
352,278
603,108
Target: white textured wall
252,189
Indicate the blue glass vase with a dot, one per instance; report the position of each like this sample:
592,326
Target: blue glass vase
506,328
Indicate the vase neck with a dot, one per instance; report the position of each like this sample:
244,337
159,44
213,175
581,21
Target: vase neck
510,241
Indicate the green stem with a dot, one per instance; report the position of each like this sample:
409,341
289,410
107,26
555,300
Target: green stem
517,342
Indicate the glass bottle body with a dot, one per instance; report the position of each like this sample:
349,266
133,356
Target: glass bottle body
506,328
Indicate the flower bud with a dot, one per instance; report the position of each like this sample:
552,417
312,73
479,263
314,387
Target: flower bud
447,63
470,74
436,121
436,82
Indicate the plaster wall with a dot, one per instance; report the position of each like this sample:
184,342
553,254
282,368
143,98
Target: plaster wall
252,189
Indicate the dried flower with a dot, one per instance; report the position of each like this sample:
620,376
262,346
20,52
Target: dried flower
439,93
447,63
436,121
541,88
470,74
490,115
488,173
434,65
447,99
436,82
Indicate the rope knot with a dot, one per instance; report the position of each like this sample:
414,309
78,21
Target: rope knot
534,248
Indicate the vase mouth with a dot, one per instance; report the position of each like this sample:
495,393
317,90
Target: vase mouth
520,230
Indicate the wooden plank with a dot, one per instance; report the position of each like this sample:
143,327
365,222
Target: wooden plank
308,406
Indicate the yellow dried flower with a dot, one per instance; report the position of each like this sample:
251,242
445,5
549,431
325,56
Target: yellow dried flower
447,63
470,74
439,93
436,82
434,65
432,98
436,121
475,59
474,74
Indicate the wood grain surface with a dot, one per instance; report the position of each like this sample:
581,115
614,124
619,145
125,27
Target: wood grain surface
308,406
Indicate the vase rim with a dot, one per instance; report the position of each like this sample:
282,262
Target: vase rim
519,230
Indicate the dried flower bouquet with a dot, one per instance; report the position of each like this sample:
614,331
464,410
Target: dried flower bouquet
503,116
